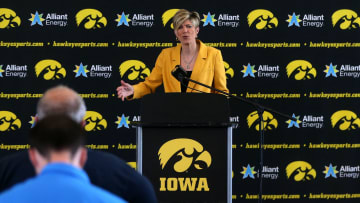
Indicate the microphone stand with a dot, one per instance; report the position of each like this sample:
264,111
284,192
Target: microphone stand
260,110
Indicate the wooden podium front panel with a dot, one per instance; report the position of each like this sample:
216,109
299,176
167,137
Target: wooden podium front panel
186,164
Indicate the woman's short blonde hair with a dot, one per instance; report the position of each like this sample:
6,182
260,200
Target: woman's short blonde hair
182,15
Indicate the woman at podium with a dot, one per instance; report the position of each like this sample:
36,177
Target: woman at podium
201,63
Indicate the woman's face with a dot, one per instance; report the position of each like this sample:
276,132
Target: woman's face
187,32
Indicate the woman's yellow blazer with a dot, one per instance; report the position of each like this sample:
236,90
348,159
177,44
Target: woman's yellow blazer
208,69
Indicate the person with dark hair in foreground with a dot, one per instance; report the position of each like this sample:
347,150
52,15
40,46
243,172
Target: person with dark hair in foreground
58,153
104,169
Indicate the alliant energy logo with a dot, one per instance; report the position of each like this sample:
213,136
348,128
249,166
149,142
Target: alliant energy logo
234,120
294,20
270,172
94,121
346,70
122,19
9,121
269,121
348,171
49,19
349,71
308,20
308,121
33,121
184,155
209,19
50,69
267,172
301,70
224,20
36,19
13,70
345,120
263,71
311,20
124,121
229,72
167,17
137,20
294,123
330,171
8,19
248,172
300,171
81,70
134,70
249,71
344,171
262,19
227,20
90,19
345,19
96,71
331,70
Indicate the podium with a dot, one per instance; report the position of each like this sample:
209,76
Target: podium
184,147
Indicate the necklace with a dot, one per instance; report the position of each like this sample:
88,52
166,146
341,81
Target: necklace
188,63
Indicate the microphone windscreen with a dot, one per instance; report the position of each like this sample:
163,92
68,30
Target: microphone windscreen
178,72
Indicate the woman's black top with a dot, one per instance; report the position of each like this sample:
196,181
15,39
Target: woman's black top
185,82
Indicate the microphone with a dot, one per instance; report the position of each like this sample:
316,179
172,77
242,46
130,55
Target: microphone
179,73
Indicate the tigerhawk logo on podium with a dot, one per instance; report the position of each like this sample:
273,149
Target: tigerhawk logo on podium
262,19
345,120
167,16
229,72
300,171
301,70
94,121
50,69
184,155
90,19
9,121
134,70
8,19
345,19
270,122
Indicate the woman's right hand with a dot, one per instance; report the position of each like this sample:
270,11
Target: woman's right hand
124,90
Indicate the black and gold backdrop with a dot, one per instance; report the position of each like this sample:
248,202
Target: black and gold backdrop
300,58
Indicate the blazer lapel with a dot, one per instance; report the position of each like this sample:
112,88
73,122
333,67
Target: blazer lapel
199,66
175,60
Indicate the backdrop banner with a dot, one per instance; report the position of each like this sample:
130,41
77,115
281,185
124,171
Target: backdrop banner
298,57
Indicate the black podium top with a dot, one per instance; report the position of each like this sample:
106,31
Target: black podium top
184,109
